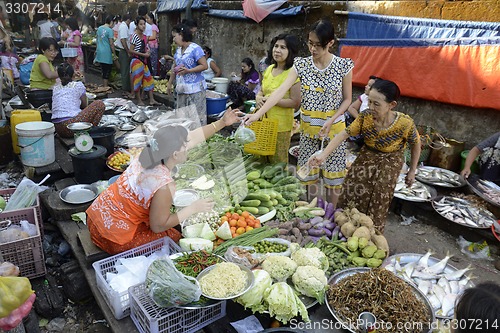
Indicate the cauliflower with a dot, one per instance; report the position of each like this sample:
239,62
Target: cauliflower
310,281
311,257
279,267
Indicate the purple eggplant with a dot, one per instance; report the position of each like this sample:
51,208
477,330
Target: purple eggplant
315,239
315,220
316,232
343,239
330,225
329,210
328,232
320,203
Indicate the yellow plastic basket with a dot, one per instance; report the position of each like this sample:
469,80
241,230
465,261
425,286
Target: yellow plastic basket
266,134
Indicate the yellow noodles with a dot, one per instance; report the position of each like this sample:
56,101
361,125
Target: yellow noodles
224,280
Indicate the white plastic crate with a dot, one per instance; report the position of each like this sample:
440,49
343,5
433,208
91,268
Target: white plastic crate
149,318
119,301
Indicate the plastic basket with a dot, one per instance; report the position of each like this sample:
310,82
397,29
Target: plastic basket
26,253
266,134
69,52
119,302
7,193
149,318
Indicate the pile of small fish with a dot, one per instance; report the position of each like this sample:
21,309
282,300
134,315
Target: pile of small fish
462,212
440,177
439,283
490,190
416,192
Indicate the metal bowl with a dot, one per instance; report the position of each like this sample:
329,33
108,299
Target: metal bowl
352,271
250,281
91,96
484,212
184,198
473,182
80,126
407,258
432,191
420,177
79,194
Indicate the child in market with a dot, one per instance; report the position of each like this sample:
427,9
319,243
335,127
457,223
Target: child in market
478,310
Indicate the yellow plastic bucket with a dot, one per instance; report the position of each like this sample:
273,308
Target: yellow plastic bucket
18,117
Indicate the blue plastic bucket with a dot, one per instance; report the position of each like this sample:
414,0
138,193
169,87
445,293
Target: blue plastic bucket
216,105
36,140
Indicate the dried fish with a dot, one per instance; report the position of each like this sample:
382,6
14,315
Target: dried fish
381,293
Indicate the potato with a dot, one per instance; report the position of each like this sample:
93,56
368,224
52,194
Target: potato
381,242
347,229
340,218
362,232
366,221
354,211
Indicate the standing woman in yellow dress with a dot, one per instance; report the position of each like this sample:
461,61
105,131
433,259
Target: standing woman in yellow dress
326,88
283,50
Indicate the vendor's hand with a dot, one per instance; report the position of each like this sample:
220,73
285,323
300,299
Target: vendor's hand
232,116
259,101
146,55
465,173
317,159
250,118
410,178
203,205
169,89
323,132
182,70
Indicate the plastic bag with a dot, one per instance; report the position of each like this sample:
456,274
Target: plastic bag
474,250
12,234
25,194
244,135
243,255
168,287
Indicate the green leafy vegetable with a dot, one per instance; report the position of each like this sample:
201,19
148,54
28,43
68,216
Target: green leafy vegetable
284,304
254,298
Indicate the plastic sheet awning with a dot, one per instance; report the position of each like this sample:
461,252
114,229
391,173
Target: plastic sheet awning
257,10
164,6
239,15
454,62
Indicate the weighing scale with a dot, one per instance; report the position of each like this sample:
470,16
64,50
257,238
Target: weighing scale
83,140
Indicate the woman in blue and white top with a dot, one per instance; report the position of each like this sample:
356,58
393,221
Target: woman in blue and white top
189,62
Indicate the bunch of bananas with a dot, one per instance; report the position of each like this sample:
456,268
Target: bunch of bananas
161,86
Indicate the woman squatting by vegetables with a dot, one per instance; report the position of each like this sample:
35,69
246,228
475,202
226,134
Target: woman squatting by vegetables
373,175
136,209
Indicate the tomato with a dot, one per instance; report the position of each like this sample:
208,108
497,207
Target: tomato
245,214
228,215
233,223
248,228
250,223
257,225
235,216
240,231
242,223
224,219
233,230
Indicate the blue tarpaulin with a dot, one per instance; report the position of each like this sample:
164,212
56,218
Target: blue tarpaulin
164,6
449,61
238,14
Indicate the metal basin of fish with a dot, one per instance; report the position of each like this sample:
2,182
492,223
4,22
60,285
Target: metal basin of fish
462,212
412,267
439,177
487,190
418,192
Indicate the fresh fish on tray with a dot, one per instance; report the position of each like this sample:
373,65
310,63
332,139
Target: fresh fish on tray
440,177
462,212
440,282
416,192
490,190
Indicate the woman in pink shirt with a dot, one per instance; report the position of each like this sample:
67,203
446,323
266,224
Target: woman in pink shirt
153,43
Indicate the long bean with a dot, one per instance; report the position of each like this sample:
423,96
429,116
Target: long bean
248,238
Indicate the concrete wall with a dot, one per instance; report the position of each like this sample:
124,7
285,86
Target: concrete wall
233,40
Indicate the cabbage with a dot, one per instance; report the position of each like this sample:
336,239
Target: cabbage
254,297
284,304
244,135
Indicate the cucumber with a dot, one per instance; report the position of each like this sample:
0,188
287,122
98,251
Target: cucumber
287,180
274,202
251,210
253,175
278,177
268,204
262,210
282,201
258,196
272,193
250,203
266,184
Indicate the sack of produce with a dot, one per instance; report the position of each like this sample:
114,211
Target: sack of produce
168,287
